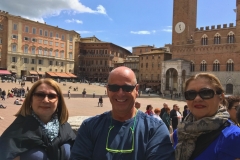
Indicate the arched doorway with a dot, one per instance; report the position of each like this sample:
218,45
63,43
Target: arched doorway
171,80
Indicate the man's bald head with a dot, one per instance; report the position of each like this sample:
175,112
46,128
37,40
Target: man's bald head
122,71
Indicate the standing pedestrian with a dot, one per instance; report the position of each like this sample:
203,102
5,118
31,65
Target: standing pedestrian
100,101
174,116
3,95
69,94
165,105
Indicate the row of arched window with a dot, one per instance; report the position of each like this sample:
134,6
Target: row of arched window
217,39
215,66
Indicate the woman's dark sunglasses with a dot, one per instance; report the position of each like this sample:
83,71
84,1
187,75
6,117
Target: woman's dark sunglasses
203,93
41,96
125,88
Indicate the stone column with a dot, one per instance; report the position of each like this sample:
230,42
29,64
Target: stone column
179,84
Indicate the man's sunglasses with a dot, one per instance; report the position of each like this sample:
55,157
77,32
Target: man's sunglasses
203,93
125,88
41,95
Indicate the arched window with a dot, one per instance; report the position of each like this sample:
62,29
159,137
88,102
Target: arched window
230,37
40,50
25,48
14,47
204,40
217,38
216,66
45,51
33,50
229,89
203,66
192,67
230,65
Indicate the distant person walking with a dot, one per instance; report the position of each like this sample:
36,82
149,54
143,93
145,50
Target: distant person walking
100,101
3,95
84,92
69,94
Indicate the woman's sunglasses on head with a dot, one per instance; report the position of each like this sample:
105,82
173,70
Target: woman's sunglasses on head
125,88
203,93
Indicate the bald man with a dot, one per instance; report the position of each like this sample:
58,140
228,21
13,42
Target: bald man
124,132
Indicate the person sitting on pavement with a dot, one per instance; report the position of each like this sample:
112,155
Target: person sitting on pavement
1,106
17,102
124,132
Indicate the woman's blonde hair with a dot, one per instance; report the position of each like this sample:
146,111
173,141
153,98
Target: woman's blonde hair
213,80
26,108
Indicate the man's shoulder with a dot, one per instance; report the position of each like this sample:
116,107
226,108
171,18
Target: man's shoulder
96,118
150,119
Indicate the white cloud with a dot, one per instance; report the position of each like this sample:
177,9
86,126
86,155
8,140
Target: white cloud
84,32
167,30
128,48
38,10
140,32
73,20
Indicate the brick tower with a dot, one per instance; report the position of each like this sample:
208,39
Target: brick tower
184,21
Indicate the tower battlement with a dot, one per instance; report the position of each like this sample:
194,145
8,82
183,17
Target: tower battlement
215,27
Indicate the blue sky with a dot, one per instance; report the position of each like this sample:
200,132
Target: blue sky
126,23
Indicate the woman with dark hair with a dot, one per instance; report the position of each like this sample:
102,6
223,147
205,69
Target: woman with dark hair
233,105
206,132
40,130
149,109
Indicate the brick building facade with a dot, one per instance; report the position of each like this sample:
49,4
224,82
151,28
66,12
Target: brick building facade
95,58
150,65
214,49
28,46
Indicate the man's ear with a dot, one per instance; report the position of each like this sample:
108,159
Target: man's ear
107,91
